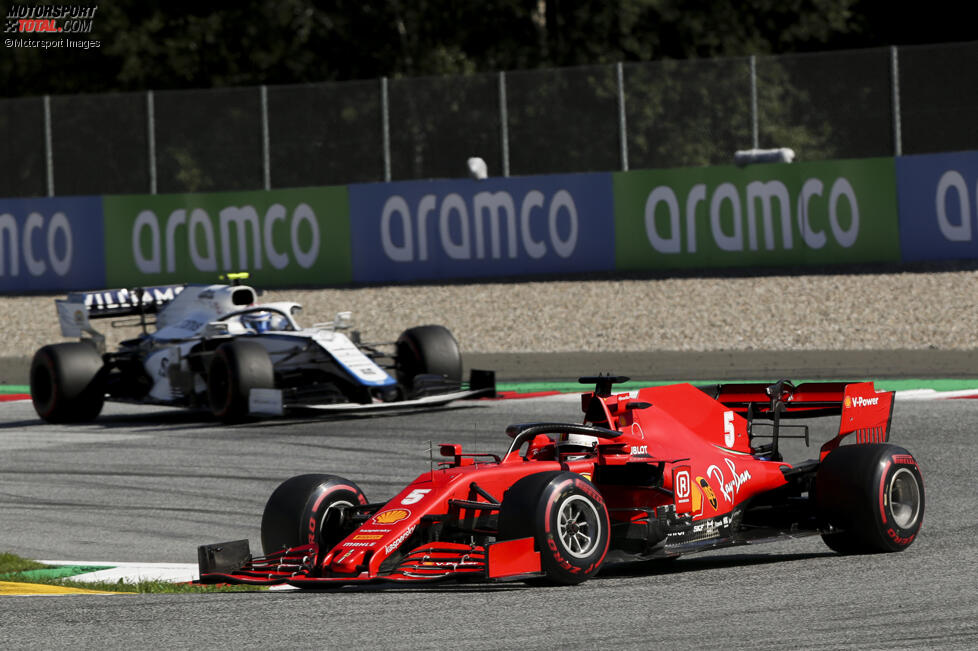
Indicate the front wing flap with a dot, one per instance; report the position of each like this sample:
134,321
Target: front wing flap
482,384
269,402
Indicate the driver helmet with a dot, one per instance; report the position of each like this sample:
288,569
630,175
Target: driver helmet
576,443
260,322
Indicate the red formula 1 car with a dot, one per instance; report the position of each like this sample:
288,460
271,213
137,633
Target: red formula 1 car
653,473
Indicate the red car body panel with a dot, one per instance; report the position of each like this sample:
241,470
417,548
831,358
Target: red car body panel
679,464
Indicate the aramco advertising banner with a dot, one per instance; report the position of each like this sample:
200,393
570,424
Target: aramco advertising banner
51,244
757,215
938,206
283,238
520,226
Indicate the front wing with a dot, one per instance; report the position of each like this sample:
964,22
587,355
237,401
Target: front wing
231,562
268,402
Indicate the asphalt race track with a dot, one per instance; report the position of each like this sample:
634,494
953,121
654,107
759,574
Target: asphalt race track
145,484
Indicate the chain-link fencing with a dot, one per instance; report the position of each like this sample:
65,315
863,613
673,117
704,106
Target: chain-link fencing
662,114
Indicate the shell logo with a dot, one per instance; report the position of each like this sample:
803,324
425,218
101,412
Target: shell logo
391,516
847,402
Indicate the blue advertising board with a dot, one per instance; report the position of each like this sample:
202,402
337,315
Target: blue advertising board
937,198
523,226
51,244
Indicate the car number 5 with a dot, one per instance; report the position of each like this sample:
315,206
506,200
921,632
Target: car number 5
415,496
729,435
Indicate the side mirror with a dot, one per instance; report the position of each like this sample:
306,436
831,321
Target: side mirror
343,320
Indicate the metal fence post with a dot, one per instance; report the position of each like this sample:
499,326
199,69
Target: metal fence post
48,146
266,162
622,127
386,126
895,87
151,139
503,123
753,102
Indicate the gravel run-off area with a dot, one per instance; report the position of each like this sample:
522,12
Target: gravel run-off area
924,310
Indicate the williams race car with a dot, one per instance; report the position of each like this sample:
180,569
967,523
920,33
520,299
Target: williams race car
650,474
214,346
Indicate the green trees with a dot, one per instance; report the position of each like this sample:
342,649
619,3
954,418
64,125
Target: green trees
152,44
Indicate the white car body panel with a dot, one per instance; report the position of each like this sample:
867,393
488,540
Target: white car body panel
186,315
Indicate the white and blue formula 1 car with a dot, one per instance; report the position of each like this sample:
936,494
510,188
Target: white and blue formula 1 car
214,347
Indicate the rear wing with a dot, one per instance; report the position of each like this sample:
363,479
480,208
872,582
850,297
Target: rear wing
863,411
77,308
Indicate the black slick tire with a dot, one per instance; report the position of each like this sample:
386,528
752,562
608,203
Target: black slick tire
66,383
429,349
236,368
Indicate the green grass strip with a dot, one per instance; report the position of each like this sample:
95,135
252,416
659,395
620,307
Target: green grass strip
12,563
21,570
7,389
55,572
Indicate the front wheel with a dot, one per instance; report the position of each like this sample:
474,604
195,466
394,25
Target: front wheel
428,350
236,368
872,497
309,509
566,516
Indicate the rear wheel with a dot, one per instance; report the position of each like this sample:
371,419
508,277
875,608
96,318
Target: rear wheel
236,368
66,386
429,349
873,495
566,516
308,509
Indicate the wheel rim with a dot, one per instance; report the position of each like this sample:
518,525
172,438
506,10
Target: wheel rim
578,526
904,497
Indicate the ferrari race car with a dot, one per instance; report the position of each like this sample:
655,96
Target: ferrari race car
215,346
650,474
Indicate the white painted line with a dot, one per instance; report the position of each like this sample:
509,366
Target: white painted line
555,397
931,394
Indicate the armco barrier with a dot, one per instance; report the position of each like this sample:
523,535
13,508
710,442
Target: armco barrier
758,215
938,206
52,244
285,238
523,226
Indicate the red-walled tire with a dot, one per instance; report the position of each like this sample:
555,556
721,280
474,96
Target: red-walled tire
566,516
66,386
872,496
308,509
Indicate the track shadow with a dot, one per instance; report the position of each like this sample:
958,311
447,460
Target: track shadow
177,419
687,564
653,568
